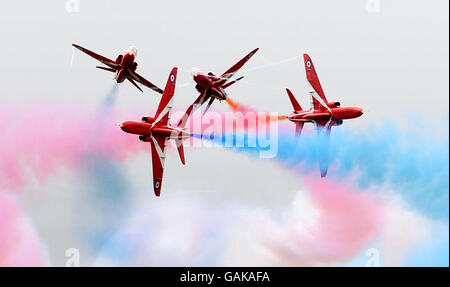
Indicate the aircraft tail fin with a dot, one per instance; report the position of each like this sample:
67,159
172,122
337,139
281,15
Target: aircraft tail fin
295,104
319,101
298,128
180,148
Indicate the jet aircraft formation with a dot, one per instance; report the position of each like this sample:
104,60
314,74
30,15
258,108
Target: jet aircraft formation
157,130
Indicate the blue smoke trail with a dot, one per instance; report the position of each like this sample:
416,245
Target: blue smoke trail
151,236
111,97
109,188
105,172
413,164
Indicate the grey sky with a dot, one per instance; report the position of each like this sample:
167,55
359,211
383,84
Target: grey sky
394,60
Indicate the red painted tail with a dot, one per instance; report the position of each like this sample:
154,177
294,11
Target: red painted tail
295,104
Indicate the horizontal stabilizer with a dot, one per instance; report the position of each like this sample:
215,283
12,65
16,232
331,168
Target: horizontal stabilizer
180,148
232,82
106,69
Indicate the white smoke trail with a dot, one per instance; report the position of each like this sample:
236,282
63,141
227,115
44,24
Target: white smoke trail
72,58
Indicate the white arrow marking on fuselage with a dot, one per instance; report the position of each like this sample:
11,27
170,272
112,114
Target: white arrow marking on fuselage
166,109
314,94
301,114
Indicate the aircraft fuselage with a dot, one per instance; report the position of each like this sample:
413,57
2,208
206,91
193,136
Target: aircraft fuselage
337,114
206,82
146,129
126,63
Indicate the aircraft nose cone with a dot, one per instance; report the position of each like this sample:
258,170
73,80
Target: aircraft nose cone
195,71
124,126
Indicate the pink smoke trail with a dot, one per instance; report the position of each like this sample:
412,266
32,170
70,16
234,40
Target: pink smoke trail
19,243
346,221
46,138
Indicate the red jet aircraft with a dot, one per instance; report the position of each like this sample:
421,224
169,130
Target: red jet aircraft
323,114
213,87
124,66
157,131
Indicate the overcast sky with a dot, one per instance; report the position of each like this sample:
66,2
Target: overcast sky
390,60
387,60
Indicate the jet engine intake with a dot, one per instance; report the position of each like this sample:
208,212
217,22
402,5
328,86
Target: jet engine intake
148,119
334,104
144,139
338,122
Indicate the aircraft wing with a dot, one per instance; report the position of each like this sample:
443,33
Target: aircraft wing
108,62
165,105
321,124
318,98
158,145
202,98
231,71
138,78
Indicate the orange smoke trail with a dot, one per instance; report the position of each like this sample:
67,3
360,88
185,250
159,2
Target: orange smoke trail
235,106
